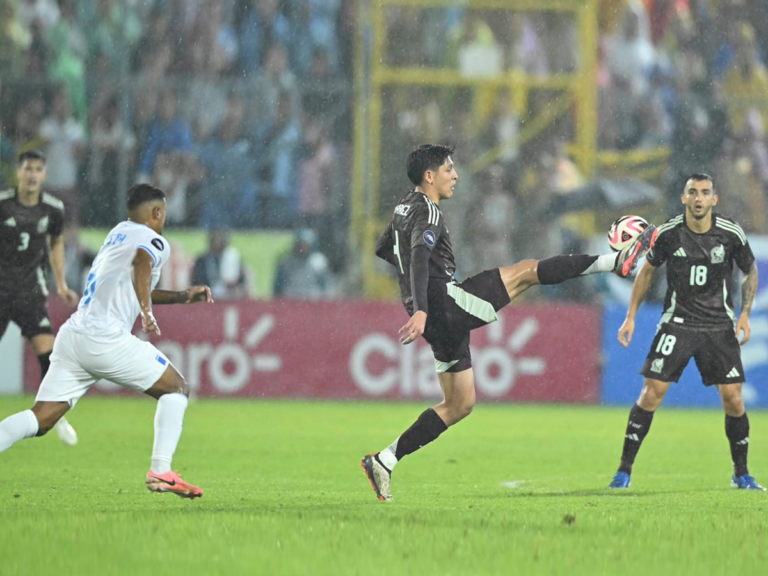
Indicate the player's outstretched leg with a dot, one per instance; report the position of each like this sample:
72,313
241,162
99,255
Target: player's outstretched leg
558,269
30,423
640,419
172,394
459,391
737,432
63,428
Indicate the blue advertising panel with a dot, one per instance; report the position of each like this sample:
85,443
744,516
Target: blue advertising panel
622,384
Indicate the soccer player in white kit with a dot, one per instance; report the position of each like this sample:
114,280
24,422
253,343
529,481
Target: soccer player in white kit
96,342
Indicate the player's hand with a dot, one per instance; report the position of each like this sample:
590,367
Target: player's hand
626,331
197,294
414,328
743,326
148,323
69,297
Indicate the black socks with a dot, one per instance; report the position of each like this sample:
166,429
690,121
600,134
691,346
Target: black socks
558,269
637,429
427,427
737,431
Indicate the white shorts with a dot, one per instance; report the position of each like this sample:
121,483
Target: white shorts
79,361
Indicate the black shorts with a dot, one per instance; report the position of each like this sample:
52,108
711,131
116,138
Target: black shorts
717,355
28,309
455,309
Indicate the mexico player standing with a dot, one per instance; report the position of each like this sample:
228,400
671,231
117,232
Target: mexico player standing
96,342
699,248
31,223
417,244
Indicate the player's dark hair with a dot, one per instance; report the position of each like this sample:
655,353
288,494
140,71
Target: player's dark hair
426,157
31,155
141,193
699,176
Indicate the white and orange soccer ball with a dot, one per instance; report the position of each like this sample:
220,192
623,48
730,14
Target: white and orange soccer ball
625,230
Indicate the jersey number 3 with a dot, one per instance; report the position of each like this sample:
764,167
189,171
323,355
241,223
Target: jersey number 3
24,237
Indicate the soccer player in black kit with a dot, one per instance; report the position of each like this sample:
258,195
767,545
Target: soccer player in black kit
699,248
417,244
31,223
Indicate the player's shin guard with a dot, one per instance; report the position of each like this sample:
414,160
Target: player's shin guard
169,421
427,427
637,429
558,269
17,427
737,431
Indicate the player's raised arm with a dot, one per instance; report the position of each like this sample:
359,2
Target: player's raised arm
56,258
639,290
141,274
748,291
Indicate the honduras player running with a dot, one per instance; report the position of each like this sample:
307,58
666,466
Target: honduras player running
96,342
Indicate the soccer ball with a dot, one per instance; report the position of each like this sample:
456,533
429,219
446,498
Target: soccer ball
625,230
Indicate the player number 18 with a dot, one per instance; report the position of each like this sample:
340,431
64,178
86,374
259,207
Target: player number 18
698,275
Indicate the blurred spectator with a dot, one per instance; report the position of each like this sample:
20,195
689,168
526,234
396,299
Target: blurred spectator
303,274
526,52
43,12
77,258
168,132
276,148
276,78
64,148
316,178
113,29
219,38
110,141
629,52
221,268
68,49
746,81
229,191
490,218
322,27
15,39
261,26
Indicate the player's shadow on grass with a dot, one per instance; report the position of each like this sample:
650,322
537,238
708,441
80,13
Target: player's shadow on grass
603,493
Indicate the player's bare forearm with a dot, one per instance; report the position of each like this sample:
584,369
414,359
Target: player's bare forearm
141,275
748,290
640,289
188,296
56,258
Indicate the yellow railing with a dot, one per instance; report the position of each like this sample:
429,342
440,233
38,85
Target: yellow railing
372,76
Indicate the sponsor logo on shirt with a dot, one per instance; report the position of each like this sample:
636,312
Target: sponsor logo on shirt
429,237
157,243
402,209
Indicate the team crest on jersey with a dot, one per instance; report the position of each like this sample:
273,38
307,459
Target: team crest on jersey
42,225
10,222
402,209
717,255
657,365
429,237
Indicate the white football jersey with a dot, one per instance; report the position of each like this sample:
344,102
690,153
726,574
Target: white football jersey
109,304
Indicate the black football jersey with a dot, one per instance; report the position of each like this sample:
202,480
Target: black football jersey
699,271
417,221
23,239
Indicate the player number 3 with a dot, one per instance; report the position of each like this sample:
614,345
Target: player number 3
698,275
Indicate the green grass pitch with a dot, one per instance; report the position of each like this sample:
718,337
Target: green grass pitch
512,490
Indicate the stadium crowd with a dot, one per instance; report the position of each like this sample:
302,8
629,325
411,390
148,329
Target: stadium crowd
242,110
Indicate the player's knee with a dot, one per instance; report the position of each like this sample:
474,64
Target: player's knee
650,398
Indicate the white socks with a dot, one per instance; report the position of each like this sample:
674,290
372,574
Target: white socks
17,427
169,420
604,263
387,456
